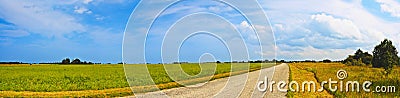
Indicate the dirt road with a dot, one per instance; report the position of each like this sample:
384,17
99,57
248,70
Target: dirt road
243,86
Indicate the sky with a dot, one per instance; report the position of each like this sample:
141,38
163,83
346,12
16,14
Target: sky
93,30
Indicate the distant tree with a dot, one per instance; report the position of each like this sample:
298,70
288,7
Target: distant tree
218,62
76,61
66,61
326,61
385,55
125,63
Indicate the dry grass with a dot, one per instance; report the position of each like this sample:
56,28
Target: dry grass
85,93
300,74
324,71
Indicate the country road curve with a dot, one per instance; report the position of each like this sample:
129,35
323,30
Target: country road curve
236,87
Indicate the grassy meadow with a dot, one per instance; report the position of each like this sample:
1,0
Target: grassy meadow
323,71
104,80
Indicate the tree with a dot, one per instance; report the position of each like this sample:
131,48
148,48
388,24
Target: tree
326,61
367,58
385,55
66,61
359,54
359,58
76,61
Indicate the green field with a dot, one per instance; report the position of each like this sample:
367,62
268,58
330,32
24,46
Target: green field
51,78
106,79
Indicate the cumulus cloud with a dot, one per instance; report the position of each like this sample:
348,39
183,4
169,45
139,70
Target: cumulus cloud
342,28
390,6
338,27
315,33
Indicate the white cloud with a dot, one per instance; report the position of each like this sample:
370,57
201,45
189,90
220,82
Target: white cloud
311,53
220,8
390,6
343,28
100,18
81,10
245,24
14,33
38,17
332,25
87,1
279,27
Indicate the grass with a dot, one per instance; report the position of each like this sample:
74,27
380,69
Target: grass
53,78
108,80
300,73
324,71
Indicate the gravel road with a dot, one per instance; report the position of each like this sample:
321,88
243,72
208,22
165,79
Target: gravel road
243,86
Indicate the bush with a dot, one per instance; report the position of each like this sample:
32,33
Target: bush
354,62
359,58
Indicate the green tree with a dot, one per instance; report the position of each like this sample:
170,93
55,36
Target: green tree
385,55
76,61
359,58
367,59
359,54
66,61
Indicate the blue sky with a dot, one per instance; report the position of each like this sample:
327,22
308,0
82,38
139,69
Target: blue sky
49,31
93,30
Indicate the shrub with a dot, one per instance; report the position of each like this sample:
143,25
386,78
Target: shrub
359,58
354,62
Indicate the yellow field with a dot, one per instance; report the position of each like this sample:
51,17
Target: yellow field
323,71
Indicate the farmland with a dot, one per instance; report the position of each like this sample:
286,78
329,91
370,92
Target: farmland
99,80
323,71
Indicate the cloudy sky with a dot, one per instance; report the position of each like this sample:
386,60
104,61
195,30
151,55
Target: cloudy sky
93,30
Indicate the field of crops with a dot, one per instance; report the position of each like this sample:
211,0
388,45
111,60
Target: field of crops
52,78
106,80
323,71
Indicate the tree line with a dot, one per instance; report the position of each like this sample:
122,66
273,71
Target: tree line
75,61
